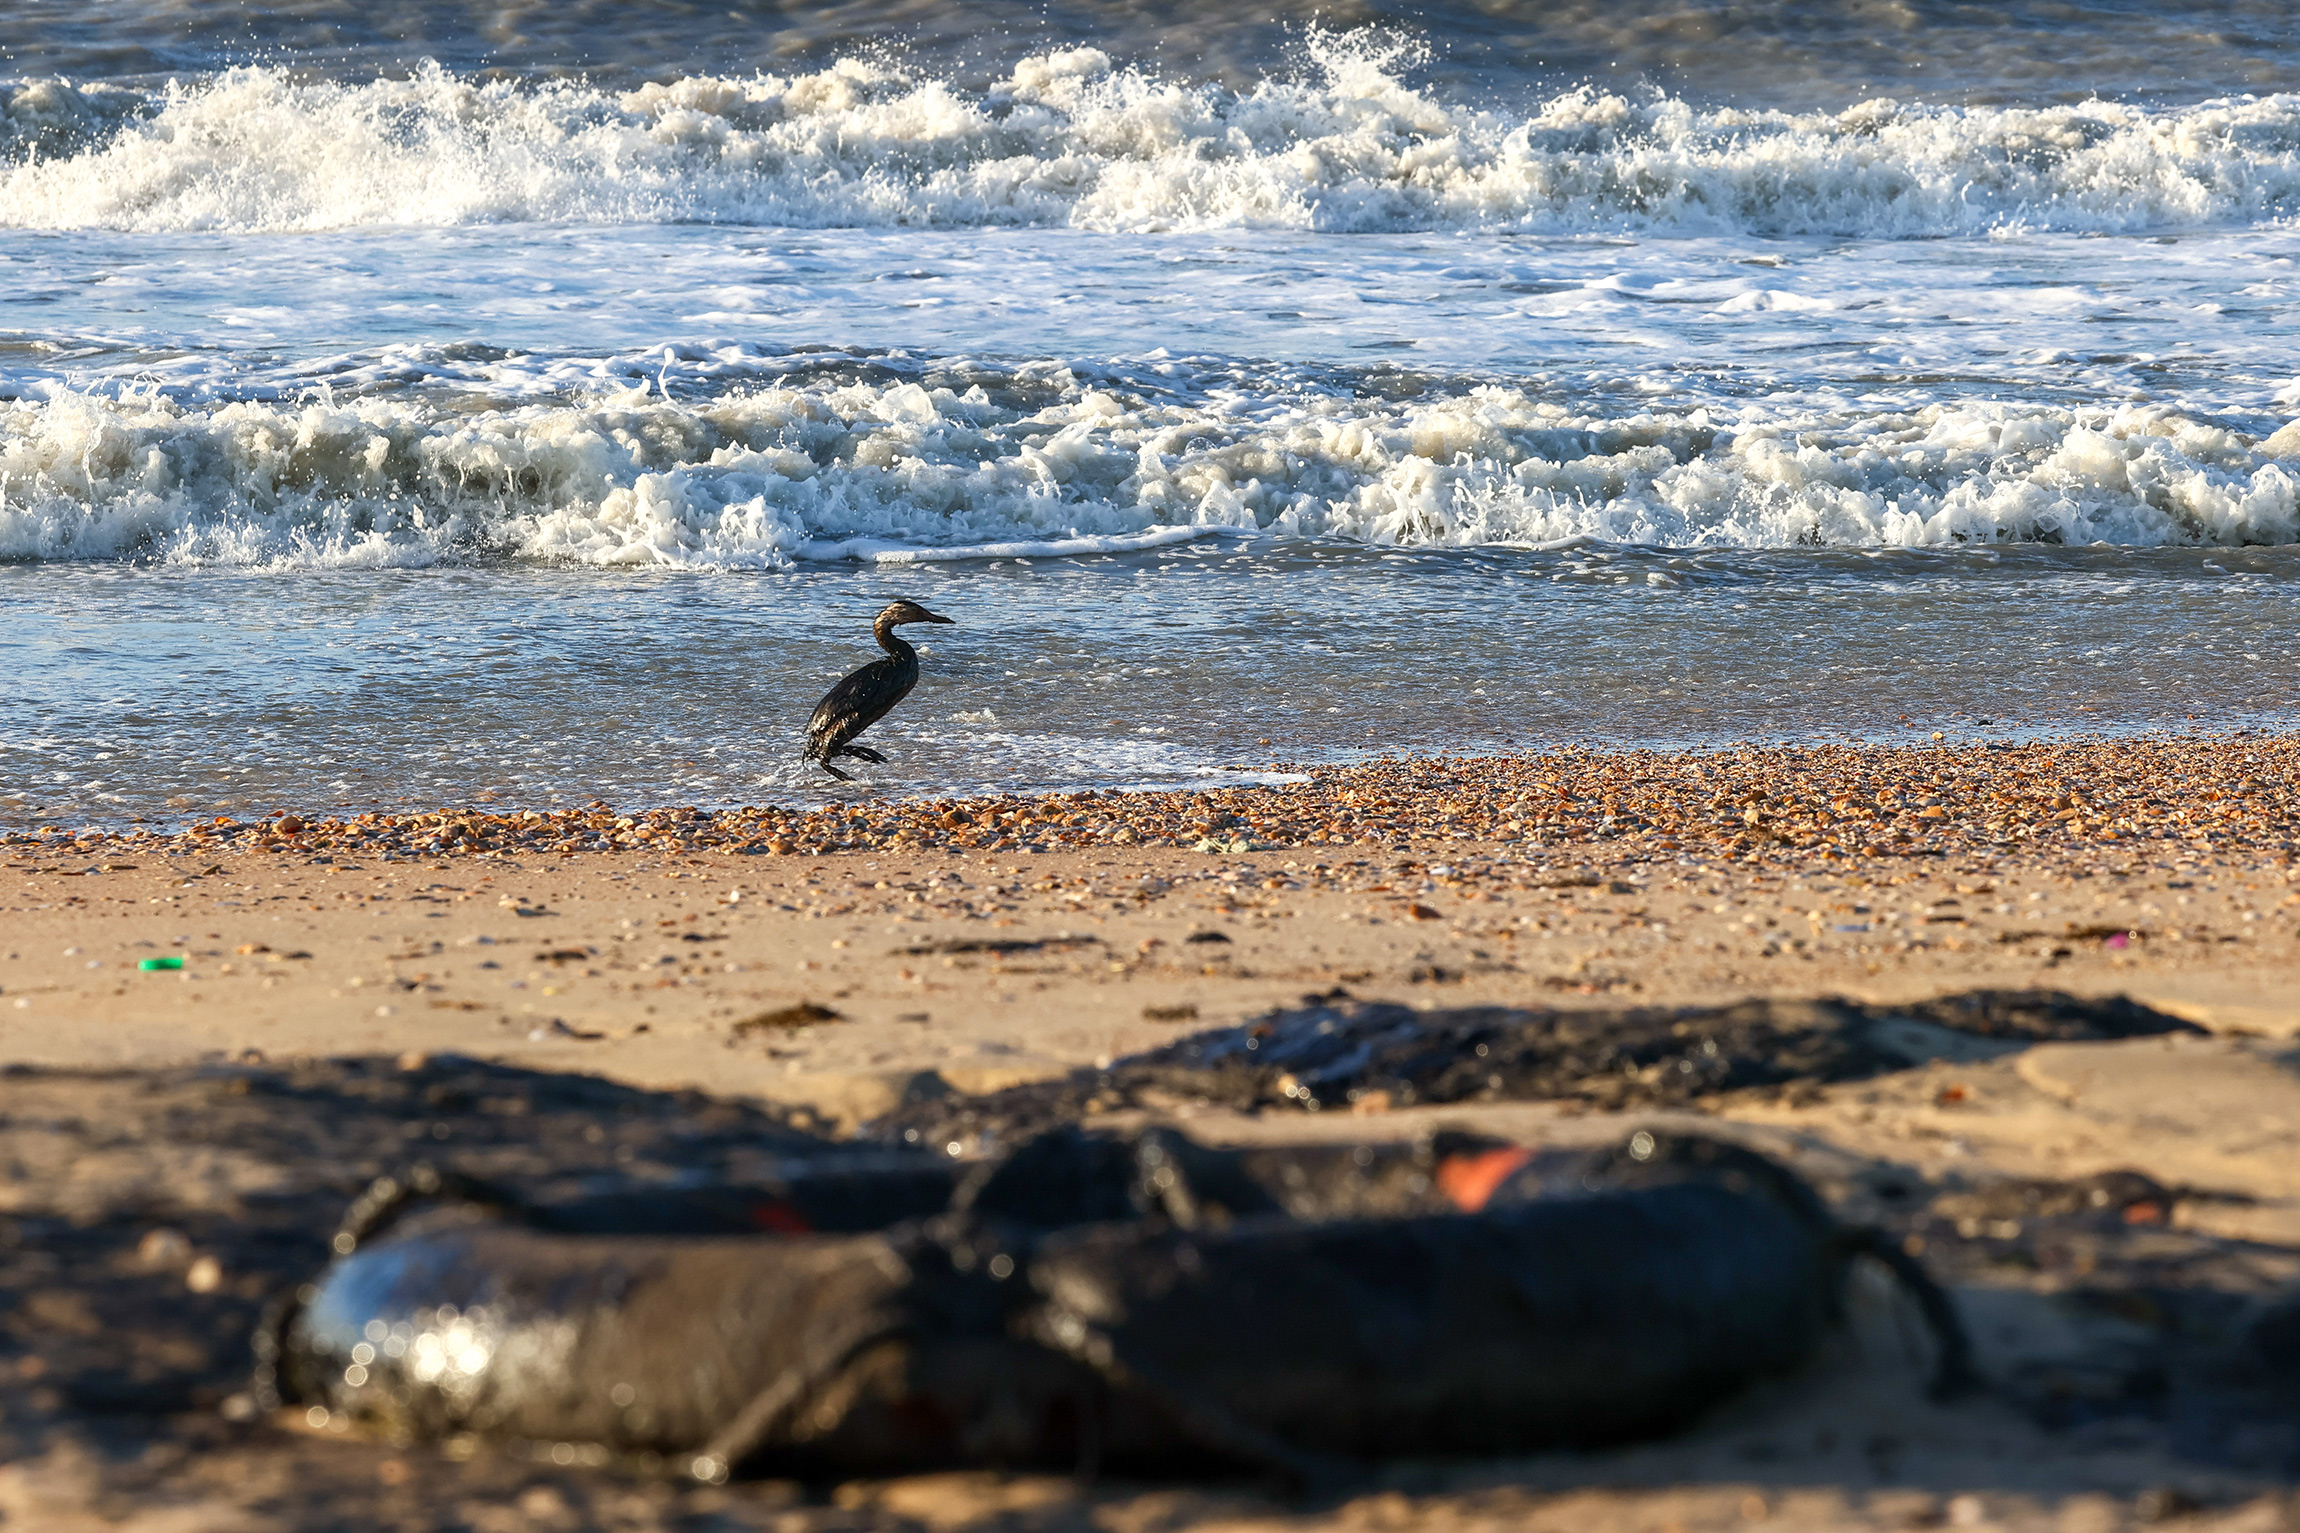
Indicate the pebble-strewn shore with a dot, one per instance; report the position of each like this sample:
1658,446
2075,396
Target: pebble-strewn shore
2165,796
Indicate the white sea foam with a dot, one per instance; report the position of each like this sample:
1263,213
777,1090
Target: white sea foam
1072,139
877,470
882,551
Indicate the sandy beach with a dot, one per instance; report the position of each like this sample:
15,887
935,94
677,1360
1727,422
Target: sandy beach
990,940
833,967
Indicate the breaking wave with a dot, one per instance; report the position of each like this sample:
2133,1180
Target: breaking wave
873,469
1070,138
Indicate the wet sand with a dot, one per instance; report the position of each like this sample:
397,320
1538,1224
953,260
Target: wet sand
931,948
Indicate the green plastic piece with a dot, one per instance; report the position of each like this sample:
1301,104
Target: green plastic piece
172,962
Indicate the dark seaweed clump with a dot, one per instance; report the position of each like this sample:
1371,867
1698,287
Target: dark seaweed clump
1335,1052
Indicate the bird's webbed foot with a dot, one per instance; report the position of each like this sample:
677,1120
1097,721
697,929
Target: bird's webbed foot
834,771
862,753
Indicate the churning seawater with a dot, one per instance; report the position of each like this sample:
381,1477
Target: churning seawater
379,432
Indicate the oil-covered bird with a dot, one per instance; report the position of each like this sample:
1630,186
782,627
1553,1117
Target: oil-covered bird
866,695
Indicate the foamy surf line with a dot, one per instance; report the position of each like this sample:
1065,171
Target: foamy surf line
1072,138
880,551
900,473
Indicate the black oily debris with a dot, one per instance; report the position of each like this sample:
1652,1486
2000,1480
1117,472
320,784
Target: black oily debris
1334,1052
1156,1284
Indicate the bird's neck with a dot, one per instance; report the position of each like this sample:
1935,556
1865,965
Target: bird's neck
891,642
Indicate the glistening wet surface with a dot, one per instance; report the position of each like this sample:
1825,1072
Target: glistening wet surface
181,693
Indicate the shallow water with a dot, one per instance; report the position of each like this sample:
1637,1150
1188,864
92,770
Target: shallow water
161,692
484,415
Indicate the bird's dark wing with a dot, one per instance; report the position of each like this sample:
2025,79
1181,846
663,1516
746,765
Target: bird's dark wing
857,702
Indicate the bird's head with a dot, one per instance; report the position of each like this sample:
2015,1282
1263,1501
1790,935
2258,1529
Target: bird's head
899,612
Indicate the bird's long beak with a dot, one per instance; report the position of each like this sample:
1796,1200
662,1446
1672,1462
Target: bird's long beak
936,617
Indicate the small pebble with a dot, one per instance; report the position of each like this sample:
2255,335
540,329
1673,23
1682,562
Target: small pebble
163,1247
2181,795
